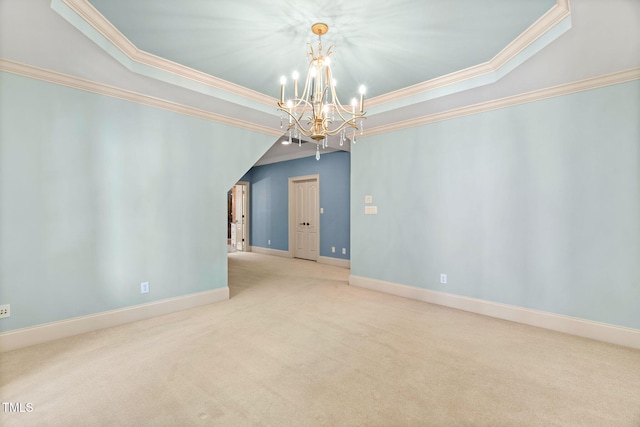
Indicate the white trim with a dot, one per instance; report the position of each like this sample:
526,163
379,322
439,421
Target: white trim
291,210
537,95
86,85
79,325
272,252
338,262
570,325
559,12
247,213
296,154
94,18
126,95
552,18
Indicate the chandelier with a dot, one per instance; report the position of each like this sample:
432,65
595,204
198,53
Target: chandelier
317,112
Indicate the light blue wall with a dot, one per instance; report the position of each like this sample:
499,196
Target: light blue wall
269,202
99,194
536,205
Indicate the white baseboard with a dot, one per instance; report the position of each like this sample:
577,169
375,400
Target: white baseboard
78,325
570,325
338,262
268,251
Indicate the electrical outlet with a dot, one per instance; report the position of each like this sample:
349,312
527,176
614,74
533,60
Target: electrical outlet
5,311
144,287
269,242
443,279
344,251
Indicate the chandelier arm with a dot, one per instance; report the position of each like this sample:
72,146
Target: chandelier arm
324,95
307,90
344,125
296,102
346,122
337,106
341,110
301,128
352,123
303,98
340,107
292,111
296,123
330,50
297,119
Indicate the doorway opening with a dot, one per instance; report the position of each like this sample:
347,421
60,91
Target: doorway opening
238,217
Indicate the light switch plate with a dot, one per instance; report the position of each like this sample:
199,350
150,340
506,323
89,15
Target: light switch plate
368,199
370,210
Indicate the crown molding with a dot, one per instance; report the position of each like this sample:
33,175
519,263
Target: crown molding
554,16
546,22
94,18
126,95
102,89
560,90
473,75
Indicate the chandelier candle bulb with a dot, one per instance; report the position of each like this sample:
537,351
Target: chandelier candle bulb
283,81
327,70
295,76
362,92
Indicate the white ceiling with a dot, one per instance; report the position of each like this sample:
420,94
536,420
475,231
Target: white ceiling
385,45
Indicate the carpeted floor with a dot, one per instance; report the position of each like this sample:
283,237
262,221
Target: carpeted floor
296,346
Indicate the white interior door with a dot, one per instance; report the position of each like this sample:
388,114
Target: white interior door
306,201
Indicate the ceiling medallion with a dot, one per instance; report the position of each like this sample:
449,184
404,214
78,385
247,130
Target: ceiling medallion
318,113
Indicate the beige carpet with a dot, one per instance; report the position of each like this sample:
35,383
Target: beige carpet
296,346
